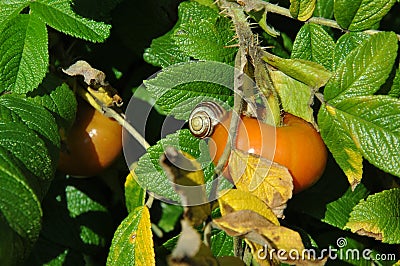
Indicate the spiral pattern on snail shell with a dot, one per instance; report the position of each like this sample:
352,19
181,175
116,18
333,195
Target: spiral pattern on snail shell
204,117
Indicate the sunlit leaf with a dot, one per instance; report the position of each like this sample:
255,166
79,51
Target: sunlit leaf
269,181
378,216
235,200
133,243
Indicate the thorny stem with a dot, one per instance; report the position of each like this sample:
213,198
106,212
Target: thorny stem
237,106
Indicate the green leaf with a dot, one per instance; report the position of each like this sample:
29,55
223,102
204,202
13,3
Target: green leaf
35,117
59,15
347,43
340,143
203,34
200,33
23,54
151,176
378,216
57,98
149,172
258,12
135,195
222,244
19,204
360,15
164,52
10,9
169,217
76,222
324,8
364,70
302,9
179,88
25,145
308,72
338,212
313,43
295,96
350,129
132,243
395,89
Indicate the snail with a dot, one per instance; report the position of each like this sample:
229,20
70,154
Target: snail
296,144
204,117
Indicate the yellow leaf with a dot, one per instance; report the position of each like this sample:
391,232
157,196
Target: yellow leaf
133,240
267,180
286,243
236,200
188,181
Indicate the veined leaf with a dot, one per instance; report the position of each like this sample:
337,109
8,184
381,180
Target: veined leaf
235,200
20,110
340,144
200,33
302,9
19,204
59,15
57,98
133,243
308,72
179,88
295,96
378,216
364,70
338,212
350,129
25,145
10,9
313,43
269,181
164,52
204,34
23,54
260,232
360,14
347,43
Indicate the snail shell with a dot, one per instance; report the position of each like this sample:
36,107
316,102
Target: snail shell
204,117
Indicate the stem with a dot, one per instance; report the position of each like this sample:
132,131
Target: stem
107,111
237,246
317,20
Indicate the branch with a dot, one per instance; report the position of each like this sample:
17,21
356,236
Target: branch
285,12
